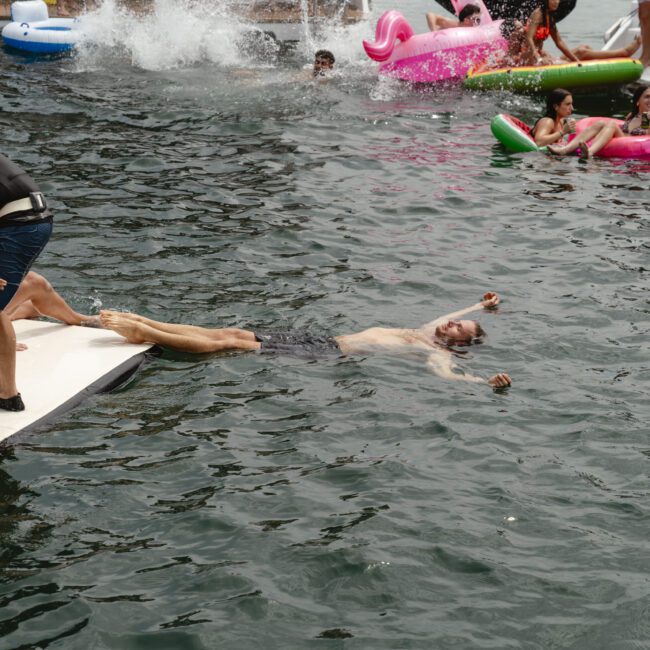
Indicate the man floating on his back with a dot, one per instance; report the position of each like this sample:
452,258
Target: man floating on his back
433,340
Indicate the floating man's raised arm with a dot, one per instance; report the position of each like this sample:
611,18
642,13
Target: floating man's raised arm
490,300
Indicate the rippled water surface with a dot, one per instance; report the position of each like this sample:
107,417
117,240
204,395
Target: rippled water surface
256,501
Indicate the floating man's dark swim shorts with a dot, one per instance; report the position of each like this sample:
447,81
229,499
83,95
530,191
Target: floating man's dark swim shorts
298,343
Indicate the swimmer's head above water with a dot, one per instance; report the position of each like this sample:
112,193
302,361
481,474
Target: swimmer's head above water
323,62
460,332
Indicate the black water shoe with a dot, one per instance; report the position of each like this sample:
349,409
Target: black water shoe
14,403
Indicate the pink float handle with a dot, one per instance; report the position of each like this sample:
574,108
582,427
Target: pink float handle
391,26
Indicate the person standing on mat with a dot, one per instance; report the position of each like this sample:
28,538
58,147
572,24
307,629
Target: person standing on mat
25,228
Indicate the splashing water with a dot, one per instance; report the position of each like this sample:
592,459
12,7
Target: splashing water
177,34
172,35
304,13
96,304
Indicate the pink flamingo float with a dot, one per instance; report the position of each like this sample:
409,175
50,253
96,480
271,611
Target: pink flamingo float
446,54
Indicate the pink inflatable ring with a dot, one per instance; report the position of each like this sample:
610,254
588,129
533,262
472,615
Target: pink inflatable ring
516,136
629,146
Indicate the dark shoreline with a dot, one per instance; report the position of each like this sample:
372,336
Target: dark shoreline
71,8
260,11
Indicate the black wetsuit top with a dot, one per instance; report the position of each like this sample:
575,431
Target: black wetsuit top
298,343
16,183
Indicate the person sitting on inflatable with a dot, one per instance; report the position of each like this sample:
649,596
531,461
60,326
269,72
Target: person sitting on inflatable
518,49
515,56
637,121
587,53
469,16
550,130
540,26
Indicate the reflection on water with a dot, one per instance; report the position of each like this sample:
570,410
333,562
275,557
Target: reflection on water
290,502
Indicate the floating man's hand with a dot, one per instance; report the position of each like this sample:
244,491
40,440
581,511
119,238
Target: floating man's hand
490,300
500,380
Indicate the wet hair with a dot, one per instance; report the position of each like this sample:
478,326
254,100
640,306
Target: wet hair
325,54
456,346
480,334
547,16
477,339
467,11
555,97
635,99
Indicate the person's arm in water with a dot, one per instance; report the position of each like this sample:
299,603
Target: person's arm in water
443,366
490,300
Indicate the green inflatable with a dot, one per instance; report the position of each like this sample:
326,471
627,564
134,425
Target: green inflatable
513,134
585,74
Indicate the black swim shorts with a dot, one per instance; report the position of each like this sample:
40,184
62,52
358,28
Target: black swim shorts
298,343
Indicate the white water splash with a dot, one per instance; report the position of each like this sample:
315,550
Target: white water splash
183,33
96,304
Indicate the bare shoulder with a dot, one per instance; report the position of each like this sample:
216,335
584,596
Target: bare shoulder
544,125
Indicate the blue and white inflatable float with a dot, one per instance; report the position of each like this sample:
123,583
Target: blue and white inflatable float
32,30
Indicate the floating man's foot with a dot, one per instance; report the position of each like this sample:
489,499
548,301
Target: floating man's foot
122,325
92,321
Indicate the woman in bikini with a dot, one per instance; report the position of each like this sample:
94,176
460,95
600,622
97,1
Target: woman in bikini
518,50
634,122
551,130
541,25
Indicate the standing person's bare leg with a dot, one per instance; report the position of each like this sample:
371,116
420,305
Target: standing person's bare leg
36,297
644,22
8,388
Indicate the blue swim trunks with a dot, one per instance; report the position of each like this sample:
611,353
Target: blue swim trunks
298,343
20,245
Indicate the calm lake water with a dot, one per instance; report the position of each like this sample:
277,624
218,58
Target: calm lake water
254,501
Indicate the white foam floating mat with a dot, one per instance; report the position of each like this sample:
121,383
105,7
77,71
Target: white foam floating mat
62,366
